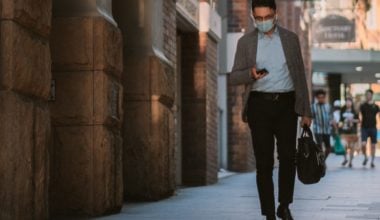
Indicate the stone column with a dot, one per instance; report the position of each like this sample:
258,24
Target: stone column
149,32
86,157
25,120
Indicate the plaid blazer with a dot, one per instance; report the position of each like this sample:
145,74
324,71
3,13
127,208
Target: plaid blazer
245,59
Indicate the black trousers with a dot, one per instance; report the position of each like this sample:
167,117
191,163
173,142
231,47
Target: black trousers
273,119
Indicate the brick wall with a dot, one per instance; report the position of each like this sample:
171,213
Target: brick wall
170,51
212,108
199,109
240,153
238,11
193,112
170,30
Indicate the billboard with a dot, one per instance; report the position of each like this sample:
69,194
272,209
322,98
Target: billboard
334,29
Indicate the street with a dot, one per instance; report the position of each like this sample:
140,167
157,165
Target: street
343,194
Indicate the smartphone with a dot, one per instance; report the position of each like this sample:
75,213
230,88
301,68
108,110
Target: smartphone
262,71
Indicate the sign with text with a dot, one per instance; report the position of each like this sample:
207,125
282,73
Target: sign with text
334,29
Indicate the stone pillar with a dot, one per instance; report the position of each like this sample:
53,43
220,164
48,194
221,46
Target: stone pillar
25,120
149,32
86,157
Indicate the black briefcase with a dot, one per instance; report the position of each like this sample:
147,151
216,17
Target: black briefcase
310,159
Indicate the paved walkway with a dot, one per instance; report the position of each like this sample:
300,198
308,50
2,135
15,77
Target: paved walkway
343,194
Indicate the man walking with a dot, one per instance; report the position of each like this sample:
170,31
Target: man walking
269,62
369,111
322,115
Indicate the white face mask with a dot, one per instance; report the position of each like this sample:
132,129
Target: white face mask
265,26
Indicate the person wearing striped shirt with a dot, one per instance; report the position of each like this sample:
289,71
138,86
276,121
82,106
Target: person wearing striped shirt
322,115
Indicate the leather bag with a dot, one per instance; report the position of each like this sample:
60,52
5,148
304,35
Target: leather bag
310,159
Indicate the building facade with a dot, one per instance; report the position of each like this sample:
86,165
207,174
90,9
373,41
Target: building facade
346,54
104,102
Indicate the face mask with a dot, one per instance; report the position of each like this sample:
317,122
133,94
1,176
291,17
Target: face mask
265,26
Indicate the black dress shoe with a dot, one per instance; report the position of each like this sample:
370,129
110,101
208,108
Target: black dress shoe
284,213
271,217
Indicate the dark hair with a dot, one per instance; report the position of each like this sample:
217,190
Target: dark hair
264,3
320,92
344,108
350,99
370,91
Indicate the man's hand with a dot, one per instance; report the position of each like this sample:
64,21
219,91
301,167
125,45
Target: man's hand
306,121
255,75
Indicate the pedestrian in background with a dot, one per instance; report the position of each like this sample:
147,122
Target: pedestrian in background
336,117
338,147
369,111
322,115
349,130
268,61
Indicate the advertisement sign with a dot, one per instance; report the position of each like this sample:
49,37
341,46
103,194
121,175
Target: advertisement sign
334,29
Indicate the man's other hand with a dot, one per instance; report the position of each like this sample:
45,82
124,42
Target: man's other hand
306,121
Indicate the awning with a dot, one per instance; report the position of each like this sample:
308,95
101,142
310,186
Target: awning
362,65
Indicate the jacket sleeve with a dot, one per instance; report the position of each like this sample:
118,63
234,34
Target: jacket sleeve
241,73
302,81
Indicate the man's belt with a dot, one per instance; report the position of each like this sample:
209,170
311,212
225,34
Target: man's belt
273,96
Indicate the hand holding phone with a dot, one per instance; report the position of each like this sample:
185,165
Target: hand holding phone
258,74
262,71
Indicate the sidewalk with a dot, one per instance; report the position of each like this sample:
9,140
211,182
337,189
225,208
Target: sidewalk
343,194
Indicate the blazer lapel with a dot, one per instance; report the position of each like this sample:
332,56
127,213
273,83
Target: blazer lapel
252,50
286,46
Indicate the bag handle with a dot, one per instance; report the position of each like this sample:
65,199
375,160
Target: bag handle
306,131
